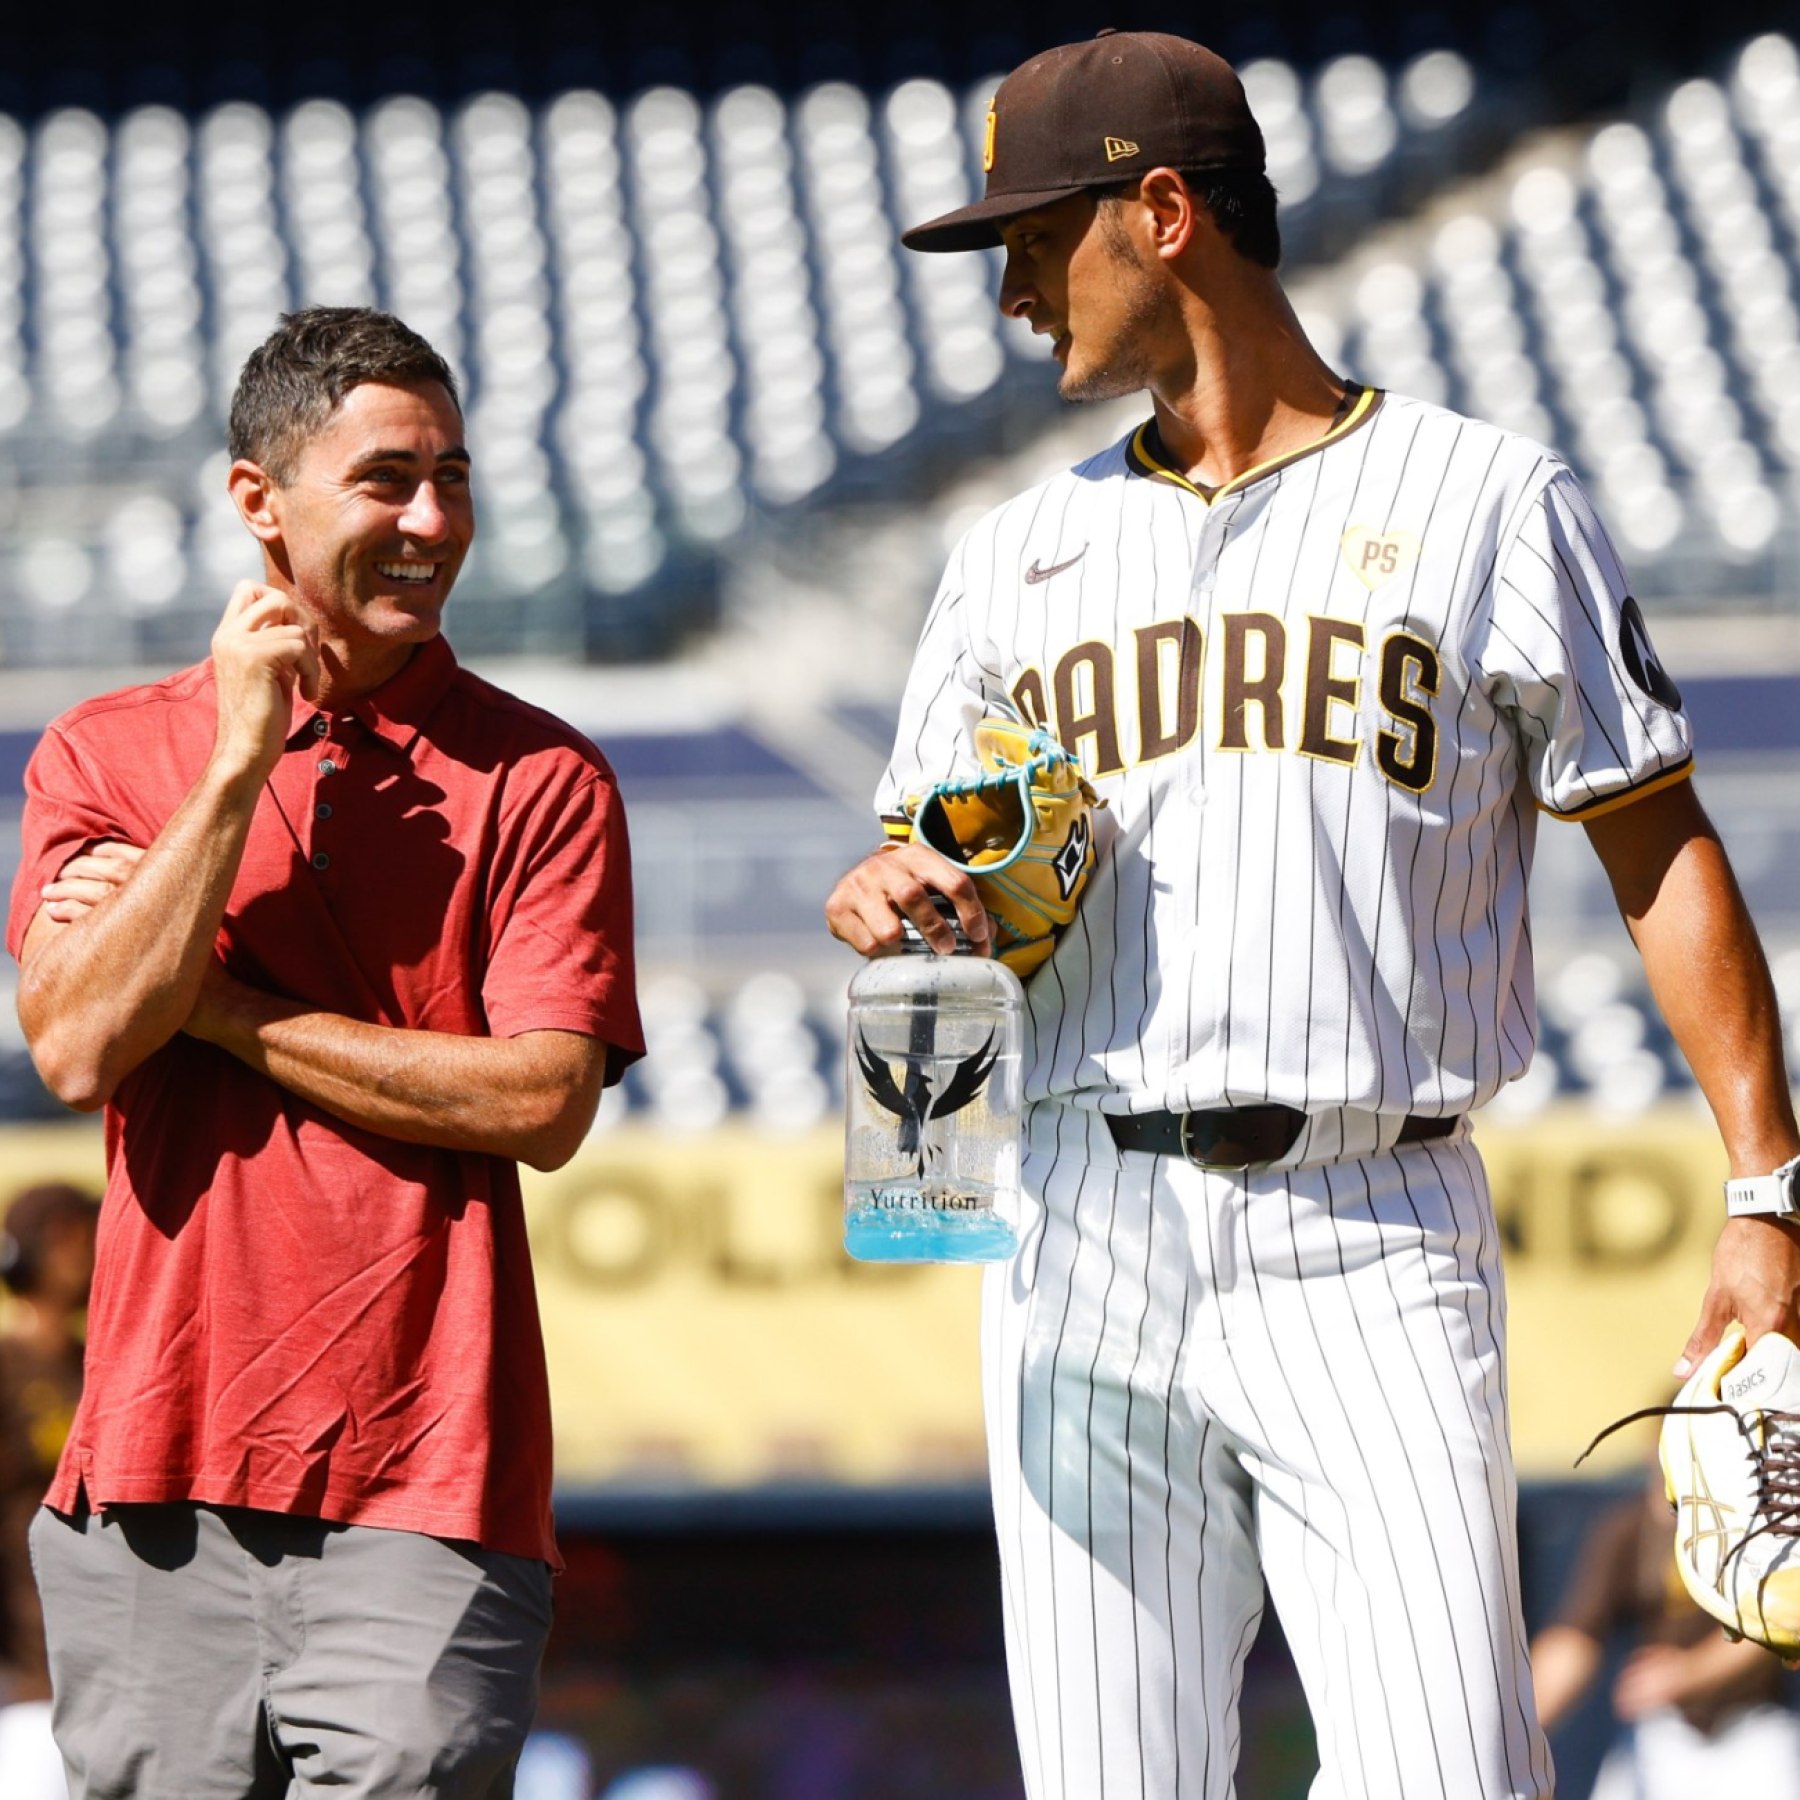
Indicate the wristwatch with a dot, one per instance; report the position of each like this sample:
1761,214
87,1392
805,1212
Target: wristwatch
1766,1195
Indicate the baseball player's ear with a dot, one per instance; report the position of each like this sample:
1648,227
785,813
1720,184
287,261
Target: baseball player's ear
1173,211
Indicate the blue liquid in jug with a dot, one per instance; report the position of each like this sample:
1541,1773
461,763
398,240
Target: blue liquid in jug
890,1222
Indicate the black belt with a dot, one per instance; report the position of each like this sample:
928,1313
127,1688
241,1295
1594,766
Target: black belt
1239,1137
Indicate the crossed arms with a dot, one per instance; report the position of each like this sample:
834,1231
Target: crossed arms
120,958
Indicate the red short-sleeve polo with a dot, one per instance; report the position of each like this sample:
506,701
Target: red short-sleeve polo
290,1312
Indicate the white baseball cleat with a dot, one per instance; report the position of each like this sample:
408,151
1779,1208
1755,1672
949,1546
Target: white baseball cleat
1730,1453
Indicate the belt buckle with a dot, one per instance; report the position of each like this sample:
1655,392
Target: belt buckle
1195,1157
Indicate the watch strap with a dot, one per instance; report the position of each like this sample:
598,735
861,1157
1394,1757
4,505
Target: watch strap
1764,1195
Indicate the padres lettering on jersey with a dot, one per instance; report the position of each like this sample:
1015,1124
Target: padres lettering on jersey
1257,690
1324,705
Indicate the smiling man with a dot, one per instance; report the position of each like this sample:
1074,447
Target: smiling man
337,934
1326,652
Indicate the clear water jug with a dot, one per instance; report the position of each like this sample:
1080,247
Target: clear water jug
931,1114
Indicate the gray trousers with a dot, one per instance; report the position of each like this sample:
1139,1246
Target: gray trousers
219,1653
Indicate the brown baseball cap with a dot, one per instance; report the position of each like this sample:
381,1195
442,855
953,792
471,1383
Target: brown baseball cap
1096,113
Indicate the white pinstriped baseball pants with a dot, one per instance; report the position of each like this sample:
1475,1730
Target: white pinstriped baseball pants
1196,1380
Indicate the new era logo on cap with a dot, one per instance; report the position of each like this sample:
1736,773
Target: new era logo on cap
1053,130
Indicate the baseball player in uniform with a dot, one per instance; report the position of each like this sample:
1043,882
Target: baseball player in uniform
1326,653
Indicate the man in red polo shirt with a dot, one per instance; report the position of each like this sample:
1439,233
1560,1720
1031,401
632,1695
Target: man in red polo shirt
337,934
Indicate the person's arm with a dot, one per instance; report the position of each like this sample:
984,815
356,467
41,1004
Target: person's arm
1567,1654
1714,1672
1564,1662
948,690
531,1097
1681,903
101,992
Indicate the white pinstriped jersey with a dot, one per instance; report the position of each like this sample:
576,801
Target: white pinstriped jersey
1323,705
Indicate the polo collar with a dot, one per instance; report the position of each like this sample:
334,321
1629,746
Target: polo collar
397,710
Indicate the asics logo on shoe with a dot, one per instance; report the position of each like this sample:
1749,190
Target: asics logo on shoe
1035,574
1736,1390
1730,1453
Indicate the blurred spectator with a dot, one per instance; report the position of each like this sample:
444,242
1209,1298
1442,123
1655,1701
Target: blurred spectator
47,1262
661,1783
1699,1715
553,1766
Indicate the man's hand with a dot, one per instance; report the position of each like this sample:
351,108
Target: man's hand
94,1002
85,880
1654,1676
264,648
1755,1279
867,907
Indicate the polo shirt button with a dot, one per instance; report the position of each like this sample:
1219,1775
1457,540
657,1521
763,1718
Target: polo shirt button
328,767
321,725
322,811
321,860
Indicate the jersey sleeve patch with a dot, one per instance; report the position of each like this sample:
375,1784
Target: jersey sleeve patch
1561,648
1640,658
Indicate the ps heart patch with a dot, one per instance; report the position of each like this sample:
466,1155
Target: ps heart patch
1377,557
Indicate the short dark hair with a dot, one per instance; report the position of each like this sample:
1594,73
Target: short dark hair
1242,205
31,1217
294,380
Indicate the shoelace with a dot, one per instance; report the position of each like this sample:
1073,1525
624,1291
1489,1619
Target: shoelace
1776,1460
1777,1463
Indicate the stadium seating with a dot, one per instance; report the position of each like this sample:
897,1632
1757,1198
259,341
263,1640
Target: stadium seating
678,320
1630,298
667,316
674,317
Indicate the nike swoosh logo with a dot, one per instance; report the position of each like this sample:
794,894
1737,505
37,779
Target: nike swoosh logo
1034,574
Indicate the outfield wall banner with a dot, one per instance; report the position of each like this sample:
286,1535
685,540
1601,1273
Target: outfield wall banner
703,1324
1608,1228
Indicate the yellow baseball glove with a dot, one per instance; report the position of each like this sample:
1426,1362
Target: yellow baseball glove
1023,827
